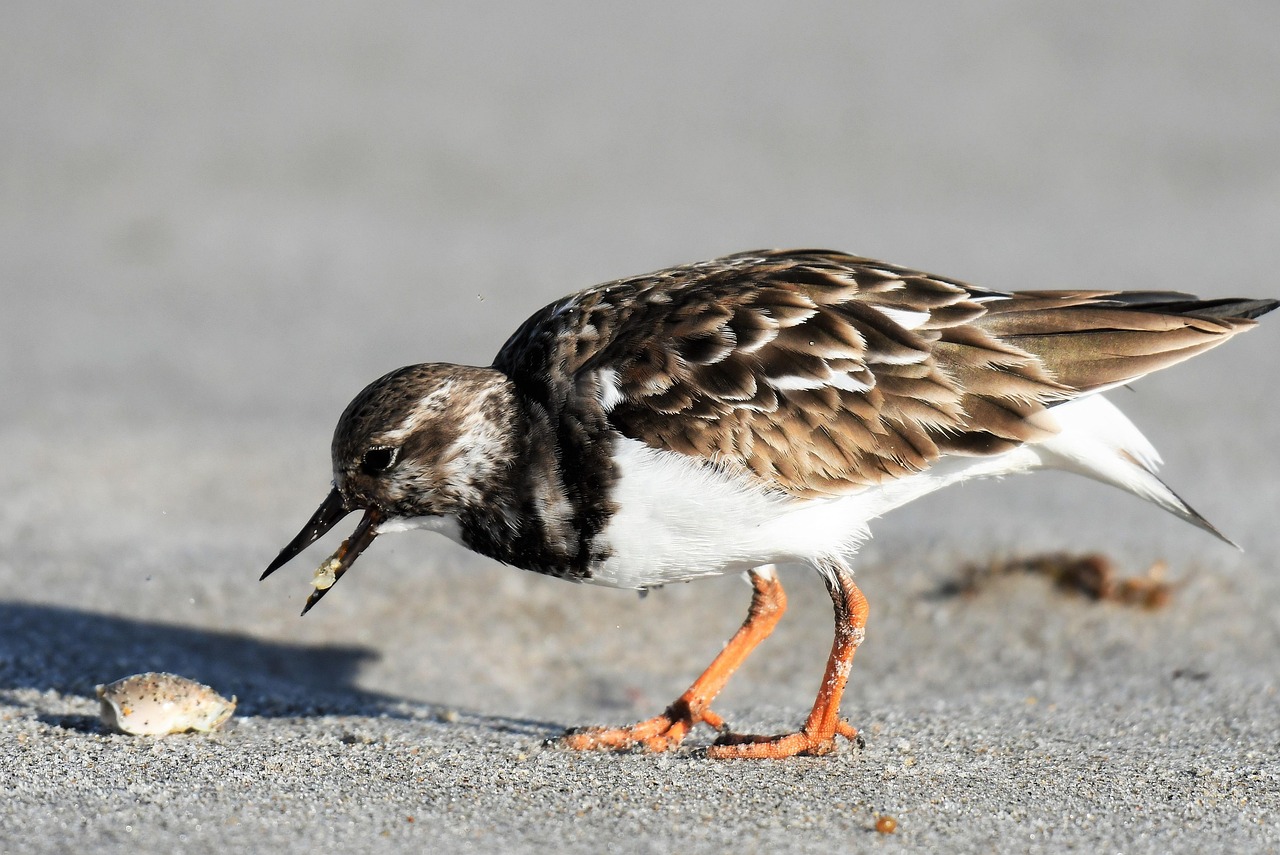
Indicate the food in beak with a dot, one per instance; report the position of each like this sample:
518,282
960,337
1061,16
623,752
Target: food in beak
329,514
326,574
340,562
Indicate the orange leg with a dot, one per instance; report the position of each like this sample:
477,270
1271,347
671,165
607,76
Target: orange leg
819,733
665,731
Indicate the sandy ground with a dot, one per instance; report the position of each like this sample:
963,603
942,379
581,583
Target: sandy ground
217,225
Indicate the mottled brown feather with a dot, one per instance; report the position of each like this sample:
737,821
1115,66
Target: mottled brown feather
822,373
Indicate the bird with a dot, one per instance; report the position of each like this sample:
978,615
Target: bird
745,412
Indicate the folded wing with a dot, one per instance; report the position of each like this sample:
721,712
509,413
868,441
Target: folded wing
822,373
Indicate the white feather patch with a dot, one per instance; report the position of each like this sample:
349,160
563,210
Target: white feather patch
1099,442
446,525
610,390
836,379
905,318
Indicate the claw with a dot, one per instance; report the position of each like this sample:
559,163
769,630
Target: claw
807,743
654,735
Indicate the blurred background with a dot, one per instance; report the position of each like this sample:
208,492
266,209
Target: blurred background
219,221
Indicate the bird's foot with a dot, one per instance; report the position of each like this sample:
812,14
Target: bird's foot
660,733
807,742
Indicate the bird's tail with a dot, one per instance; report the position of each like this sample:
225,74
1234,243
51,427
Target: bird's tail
1098,441
1091,341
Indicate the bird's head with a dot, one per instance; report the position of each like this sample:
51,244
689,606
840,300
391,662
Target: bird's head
411,450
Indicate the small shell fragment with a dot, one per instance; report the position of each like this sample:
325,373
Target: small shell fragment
156,703
326,574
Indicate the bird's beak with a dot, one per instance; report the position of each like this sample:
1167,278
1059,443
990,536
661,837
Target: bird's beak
331,511
326,517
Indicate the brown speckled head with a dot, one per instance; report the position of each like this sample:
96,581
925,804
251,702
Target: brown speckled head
417,441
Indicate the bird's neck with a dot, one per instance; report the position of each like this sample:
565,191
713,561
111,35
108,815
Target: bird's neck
543,511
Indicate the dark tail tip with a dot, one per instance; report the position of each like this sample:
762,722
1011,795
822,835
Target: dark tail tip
1177,303
1236,308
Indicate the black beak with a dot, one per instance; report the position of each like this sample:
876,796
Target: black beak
346,555
328,515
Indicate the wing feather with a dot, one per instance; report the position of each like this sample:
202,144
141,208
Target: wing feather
822,373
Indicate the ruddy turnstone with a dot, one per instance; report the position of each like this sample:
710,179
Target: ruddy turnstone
749,411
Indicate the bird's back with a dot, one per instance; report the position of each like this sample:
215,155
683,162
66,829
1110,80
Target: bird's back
820,373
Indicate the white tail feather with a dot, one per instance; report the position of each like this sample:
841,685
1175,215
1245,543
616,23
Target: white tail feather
1098,441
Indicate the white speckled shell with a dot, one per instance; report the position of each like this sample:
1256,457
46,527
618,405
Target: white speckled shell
156,703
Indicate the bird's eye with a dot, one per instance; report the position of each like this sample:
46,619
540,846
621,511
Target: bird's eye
379,459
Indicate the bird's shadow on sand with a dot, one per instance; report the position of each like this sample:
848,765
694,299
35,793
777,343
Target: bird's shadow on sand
70,651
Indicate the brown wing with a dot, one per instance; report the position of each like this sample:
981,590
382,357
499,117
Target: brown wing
822,373
1093,340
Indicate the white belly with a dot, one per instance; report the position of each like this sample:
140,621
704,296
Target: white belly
678,520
